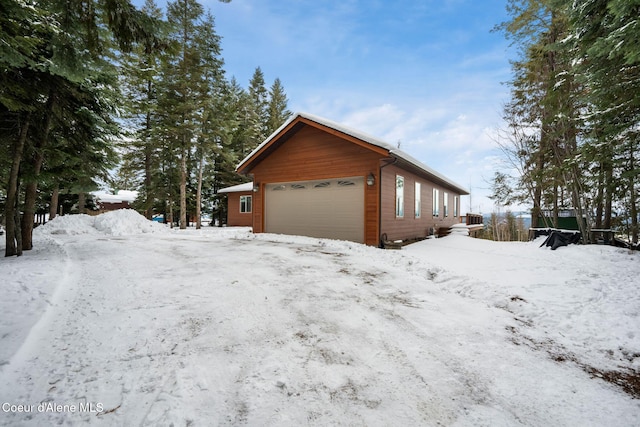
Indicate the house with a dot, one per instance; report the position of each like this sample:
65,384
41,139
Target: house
239,204
317,178
110,202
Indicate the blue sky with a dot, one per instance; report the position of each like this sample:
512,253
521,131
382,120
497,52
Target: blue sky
427,74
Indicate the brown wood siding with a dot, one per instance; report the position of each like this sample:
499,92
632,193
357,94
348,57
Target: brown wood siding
409,226
235,218
313,154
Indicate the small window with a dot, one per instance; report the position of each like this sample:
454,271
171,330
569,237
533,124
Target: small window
323,184
418,200
298,186
399,196
436,202
445,204
279,188
345,183
245,204
456,206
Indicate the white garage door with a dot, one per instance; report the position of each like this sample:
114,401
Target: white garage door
332,208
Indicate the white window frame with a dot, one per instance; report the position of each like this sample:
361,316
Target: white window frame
418,200
456,207
399,196
445,203
244,206
436,202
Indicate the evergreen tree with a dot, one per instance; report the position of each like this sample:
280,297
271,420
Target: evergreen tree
141,158
181,92
608,63
191,81
575,107
545,103
277,112
211,135
66,73
259,110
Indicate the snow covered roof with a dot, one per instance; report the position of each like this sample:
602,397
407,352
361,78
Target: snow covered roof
121,196
393,152
247,186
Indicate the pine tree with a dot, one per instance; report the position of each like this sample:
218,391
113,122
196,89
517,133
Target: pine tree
26,32
190,83
141,68
180,94
210,135
609,67
545,97
277,112
63,67
259,114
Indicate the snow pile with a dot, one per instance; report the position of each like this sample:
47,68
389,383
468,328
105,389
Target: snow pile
125,222
121,222
68,224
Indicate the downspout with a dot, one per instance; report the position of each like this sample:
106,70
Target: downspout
393,162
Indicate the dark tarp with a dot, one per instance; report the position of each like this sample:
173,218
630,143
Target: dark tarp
559,238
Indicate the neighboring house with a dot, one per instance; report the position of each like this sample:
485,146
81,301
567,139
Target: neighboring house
314,177
239,204
110,202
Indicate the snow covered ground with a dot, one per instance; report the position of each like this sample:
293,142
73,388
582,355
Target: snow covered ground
115,320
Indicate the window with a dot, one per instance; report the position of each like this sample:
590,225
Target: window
245,204
445,204
418,199
456,207
399,196
436,202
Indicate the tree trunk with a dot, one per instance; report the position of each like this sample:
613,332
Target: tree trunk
82,201
31,189
600,197
608,203
148,155
13,238
556,207
199,195
53,206
632,196
147,182
30,195
171,213
183,190
18,234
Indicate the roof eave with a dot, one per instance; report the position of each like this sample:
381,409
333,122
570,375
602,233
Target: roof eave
361,138
429,172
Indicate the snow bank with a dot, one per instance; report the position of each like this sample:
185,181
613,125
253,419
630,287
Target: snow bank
122,222
69,224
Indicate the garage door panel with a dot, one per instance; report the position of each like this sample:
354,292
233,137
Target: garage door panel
328,209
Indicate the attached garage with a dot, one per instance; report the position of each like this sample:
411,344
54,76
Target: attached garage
329,208
317,178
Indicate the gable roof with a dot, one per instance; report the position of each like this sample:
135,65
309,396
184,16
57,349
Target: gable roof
297,120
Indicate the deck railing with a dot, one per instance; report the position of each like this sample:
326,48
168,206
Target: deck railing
472,219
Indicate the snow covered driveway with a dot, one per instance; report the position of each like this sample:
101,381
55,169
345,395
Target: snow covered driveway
222,327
